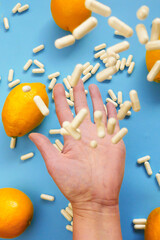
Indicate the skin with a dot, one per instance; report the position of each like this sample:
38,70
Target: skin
89,178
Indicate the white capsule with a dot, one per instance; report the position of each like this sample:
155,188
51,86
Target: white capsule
67,94
118,64
69,78
142,12
38,70
38,63
70,205
158,179
52,84
135,101
86,77
112,61
131,67
124,109
6,23
155,33
53,75
107,65
77,121
142,33
59,144
65,41
23,8
27,156
10,75
69,228
93,144
86,65
111,53
140,221
111,101
105,60
111,126
153,45
14,83
120,100
26,88
118,137
119,47
66,215
38,48
105,108
139,227
120,26
112,95
47,197
98,8
129,60
123,64
86,92
100,53
16,7
66,83
41,105
76,75
100,125
100,47
95,68
106,73
85,28
117,56
69,211
87,70
154,71
143,159
129,113
148,168
13,142
61,131
71,95
27,65
73,132
70,103
104,56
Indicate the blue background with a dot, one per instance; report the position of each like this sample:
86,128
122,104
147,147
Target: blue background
139,194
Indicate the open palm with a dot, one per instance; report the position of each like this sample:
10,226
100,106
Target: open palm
83,174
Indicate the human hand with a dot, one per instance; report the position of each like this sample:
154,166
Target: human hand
89,178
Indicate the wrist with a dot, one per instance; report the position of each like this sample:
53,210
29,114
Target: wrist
97,222
91,208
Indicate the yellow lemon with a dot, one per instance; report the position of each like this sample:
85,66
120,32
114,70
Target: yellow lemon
20,114
69,14
16,212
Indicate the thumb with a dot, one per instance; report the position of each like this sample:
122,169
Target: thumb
49,153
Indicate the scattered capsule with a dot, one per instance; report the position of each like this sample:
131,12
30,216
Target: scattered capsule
154,71
155,32
98,8
142,33
65,41
143,12
135,101
85,28
120,26
100,47
118,137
